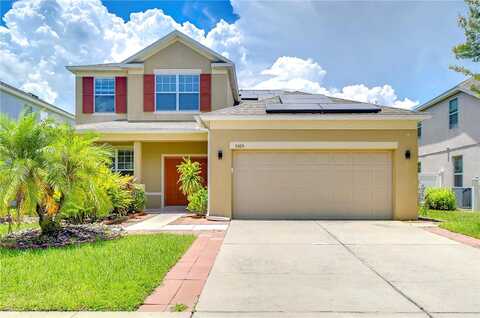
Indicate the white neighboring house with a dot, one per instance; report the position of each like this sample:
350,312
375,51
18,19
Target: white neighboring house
449,142
13,101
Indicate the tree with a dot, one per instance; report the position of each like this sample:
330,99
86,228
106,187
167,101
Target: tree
470,50
46,167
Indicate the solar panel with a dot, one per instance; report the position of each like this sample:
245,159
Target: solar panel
293,108
349,108
304,99
306,106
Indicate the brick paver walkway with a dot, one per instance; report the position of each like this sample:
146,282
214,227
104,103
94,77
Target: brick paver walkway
455,236
184,283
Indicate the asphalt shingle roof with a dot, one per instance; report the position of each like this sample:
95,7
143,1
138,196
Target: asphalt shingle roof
258,107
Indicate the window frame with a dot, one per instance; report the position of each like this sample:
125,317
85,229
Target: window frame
454,113
455,174
115,158
177,93
95,94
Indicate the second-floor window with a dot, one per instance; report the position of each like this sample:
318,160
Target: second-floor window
458,171
104,95
419,129
179,92
453,113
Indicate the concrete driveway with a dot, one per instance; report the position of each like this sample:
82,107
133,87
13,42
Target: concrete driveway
340,269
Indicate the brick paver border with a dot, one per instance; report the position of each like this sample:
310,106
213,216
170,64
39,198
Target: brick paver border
184,282
455,236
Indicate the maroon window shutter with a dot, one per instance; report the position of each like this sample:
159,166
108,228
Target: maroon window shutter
121,94
205,92
87,95
148,93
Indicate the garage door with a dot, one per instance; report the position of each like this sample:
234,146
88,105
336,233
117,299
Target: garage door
312,185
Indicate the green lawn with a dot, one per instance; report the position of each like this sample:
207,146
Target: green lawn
21,226
467,223
112,275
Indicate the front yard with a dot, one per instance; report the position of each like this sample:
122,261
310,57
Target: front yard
467,223
109,275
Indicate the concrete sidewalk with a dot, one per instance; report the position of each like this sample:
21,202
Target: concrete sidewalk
340,269
155,223
93,314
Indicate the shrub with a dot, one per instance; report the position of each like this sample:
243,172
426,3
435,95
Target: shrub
118,190
440,199
190,180
138,199
198,201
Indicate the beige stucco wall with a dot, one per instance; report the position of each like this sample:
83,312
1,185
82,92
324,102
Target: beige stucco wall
80,117
152,165
404,171
175,56
221,91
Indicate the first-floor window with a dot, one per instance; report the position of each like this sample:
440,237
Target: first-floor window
419,167
177,92
104,95
458,171
123,161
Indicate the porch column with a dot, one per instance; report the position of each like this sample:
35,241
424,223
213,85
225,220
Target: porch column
137,161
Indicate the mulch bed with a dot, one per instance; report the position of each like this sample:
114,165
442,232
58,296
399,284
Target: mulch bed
67,235
129,219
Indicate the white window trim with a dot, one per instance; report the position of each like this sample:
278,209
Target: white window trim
116,149
177,92
457,173
95,93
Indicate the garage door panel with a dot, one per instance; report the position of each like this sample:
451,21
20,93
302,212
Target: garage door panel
312,185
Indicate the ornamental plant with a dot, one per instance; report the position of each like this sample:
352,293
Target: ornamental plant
48,170
190,180
440,199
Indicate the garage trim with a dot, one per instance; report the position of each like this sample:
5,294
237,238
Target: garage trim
292,145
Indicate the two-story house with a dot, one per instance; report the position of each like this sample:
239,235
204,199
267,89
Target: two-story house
449,142
14,101
264,154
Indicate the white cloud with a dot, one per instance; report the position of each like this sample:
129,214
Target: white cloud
42,36
294,73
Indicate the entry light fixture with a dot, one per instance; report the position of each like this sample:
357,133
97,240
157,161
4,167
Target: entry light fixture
220,154
407,154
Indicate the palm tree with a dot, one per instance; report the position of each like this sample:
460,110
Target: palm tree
43,166
22,165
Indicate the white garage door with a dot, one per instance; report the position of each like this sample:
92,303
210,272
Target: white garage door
312,185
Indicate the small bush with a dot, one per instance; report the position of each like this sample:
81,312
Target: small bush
198,202
440,199
190,179
138,199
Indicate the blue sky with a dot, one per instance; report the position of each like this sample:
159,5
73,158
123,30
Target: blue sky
204,14
391,52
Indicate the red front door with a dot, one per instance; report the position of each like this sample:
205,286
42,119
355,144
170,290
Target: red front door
173,195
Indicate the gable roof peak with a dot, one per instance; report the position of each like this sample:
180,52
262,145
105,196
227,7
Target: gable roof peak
171,38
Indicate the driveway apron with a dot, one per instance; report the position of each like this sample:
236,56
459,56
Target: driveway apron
340,269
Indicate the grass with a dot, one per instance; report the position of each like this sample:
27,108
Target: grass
16,227
110,276
179,308
467,223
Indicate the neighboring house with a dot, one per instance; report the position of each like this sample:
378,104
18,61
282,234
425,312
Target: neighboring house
14,101
449,142
264,154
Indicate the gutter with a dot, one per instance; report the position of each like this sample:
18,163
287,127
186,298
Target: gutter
415,117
